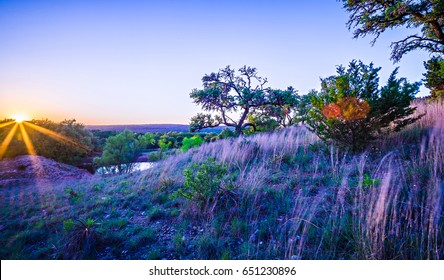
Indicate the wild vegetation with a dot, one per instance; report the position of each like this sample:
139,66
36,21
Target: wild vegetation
355,171
434,77
67,141
120,151
373,17
281,195
243,101
352,109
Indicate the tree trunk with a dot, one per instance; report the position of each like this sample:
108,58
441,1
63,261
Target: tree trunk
240,124
238,130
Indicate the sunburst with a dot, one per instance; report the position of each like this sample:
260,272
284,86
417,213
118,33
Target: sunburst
20,123
19,118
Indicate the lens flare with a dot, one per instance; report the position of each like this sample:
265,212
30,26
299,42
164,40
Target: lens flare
20,118
27,140
331,111
54,135
347,109
21,124
7,140
6,124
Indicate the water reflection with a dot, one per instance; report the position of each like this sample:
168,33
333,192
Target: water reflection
114,169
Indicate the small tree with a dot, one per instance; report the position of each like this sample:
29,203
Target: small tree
164,145
434,77
351,110
121,151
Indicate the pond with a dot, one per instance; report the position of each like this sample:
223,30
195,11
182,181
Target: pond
138,166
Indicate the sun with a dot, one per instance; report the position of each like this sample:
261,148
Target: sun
19,118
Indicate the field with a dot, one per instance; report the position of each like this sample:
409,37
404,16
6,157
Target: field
281,195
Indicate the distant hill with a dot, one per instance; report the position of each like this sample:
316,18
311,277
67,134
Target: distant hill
152,128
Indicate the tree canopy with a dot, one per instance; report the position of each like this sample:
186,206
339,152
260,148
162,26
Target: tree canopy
373,17
280,108
233,98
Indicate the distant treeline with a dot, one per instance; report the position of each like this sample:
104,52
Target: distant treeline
151,128
172,138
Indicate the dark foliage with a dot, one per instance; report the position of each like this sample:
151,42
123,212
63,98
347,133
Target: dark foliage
434,77
374,17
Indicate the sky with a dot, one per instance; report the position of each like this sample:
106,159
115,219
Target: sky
135,62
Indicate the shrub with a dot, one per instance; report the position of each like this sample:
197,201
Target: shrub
192,142
83,239
351,110
204,183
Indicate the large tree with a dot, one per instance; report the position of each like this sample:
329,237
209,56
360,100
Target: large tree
373,17
232,98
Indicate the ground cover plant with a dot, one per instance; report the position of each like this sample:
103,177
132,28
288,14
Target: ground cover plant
282,195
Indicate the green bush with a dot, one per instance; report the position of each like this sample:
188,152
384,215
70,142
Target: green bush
351,110
192,142
204,183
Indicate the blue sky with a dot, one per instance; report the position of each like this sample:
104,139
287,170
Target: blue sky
114,62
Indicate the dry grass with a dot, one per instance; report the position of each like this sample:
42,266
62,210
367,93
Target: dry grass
383,204
295,198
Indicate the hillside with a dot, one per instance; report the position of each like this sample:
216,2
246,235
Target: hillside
281,195
23,170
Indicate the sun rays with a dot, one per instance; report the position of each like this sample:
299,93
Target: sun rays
6,124
54,135
26,139
19,129
7,141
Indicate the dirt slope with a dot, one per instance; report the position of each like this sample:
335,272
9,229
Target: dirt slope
32,169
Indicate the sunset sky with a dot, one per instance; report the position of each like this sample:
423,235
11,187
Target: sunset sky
115,62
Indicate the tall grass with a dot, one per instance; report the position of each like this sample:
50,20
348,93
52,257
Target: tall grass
293,198
321,203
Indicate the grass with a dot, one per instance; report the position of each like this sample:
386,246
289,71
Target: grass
295,198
